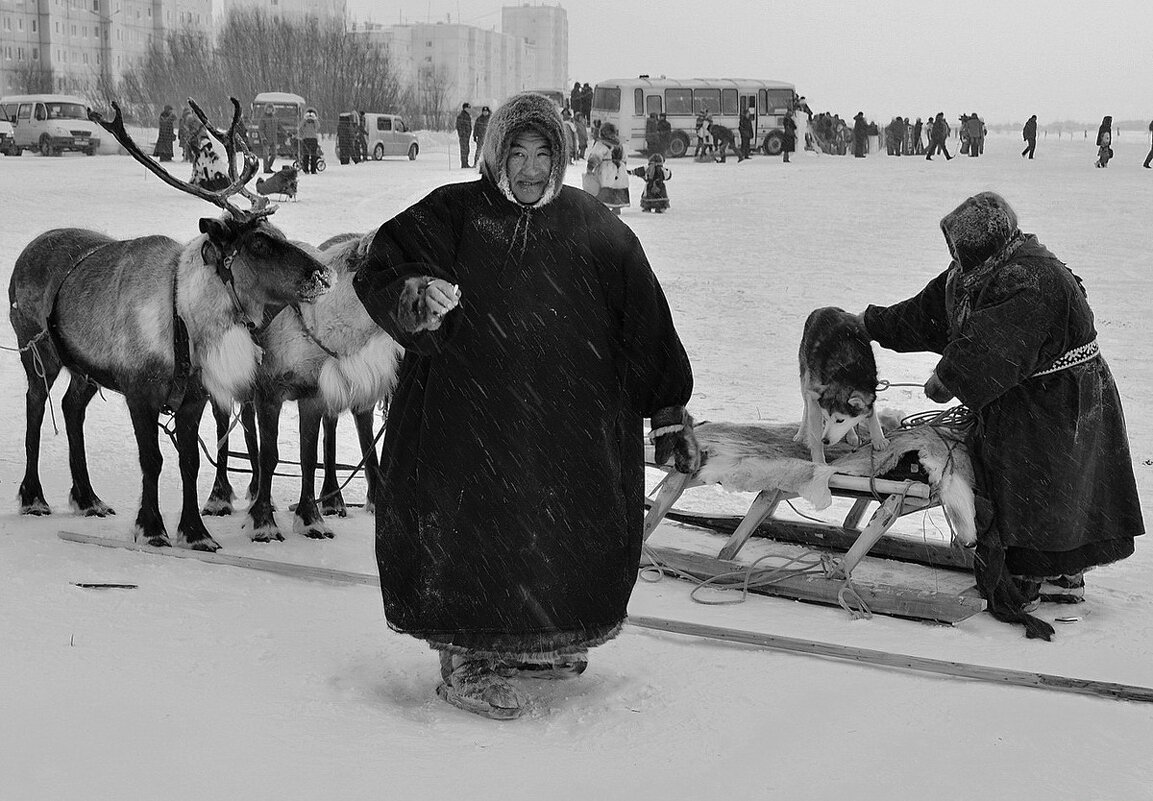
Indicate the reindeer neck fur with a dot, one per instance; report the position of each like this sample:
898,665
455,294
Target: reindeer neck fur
364,368
220,341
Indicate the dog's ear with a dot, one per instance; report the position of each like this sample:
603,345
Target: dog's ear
858,403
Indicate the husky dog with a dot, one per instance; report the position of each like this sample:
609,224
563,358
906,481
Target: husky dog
281,183
838,381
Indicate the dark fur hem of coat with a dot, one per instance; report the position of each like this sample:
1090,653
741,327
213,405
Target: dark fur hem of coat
524,647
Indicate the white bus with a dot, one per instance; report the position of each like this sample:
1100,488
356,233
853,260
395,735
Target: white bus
626,102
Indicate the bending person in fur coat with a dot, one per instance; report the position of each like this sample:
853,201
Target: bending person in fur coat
537,340
1055,488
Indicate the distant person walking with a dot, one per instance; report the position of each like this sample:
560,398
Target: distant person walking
789,141
1029,134
269,137
937,136
310,141
606,172
1105,142
655,198
975,128
464,133
1149,158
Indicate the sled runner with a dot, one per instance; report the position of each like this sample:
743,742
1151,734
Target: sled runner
920,466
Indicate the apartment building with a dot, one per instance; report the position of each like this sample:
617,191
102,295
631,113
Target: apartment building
544,29
78,43
290,9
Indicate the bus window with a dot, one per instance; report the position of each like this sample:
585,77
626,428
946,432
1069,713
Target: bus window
639,102
607,98
780,100
762,101
707,101
729,103
679,101
653,104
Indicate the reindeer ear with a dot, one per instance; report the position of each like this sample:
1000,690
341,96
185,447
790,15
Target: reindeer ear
216,230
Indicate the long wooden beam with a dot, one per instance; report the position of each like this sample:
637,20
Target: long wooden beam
867,656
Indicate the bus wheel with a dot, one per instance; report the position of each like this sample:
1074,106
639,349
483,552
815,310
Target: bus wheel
678,145
774,144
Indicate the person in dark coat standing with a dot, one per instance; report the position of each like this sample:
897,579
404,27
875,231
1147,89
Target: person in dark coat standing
745,129
166,134
664,132
652,134
1055,485
789,141
860,135
1029,134
464,132
537,340
269,137
1105,142
478,129
309,133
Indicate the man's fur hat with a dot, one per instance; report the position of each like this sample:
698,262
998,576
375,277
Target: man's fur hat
526,111
980,227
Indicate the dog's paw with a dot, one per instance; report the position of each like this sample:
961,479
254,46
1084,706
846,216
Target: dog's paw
880,443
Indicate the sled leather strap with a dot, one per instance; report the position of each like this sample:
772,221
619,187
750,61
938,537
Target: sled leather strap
1072,358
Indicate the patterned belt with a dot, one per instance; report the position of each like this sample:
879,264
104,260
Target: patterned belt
1072,358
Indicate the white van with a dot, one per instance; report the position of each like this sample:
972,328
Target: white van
389,136
50,124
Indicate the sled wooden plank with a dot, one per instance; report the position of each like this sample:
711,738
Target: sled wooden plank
835,538
867,656
247,562
881,598
761,509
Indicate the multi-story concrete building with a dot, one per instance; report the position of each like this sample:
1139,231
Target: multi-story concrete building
470,63
545,30
290,9
76,44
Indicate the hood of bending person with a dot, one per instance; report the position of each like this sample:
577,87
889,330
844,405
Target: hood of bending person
979,228
521,113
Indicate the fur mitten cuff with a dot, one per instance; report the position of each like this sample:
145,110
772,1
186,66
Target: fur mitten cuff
412,312
672,435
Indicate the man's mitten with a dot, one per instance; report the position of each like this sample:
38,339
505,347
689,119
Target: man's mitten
672,435
936,391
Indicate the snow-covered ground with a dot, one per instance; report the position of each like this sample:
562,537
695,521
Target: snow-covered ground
210,682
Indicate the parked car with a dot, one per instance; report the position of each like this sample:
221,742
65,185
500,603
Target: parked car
50,124
389,136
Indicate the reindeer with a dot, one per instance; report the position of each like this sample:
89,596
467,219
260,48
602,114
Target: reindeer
167,325
327,357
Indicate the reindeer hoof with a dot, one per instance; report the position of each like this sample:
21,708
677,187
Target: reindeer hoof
267,535
158,541
217,507
208,544
37,507
316,530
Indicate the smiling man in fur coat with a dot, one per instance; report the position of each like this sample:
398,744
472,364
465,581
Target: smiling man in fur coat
537,339
1056,491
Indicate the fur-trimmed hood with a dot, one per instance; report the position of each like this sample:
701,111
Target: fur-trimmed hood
520,112
980,227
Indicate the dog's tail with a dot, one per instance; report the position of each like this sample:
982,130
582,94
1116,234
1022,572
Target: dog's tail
957,500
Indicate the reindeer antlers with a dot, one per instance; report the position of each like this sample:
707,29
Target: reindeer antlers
219,197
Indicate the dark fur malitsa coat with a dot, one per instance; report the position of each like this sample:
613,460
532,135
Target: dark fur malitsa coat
1051,451
510,519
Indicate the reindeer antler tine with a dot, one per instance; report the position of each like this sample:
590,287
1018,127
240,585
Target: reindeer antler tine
121,135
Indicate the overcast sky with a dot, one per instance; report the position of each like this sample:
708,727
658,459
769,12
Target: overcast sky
1005,60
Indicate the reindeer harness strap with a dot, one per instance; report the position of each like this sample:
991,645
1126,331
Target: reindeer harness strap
308,333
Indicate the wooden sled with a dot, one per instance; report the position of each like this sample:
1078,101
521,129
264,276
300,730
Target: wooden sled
850,541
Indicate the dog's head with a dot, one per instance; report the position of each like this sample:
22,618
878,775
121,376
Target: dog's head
841,410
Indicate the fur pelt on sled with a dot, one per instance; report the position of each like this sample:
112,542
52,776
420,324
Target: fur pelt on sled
750,457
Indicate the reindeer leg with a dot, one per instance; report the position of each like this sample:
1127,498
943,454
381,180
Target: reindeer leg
191,531
261,516
76,399
220,498
331,500
252,445
309,521
149,522
371,463
31,492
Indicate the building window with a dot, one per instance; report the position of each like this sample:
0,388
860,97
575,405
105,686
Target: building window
35,53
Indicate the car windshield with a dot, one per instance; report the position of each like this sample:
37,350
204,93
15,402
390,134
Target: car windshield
66,111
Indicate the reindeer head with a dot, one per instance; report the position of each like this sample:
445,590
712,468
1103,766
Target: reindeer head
252,257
